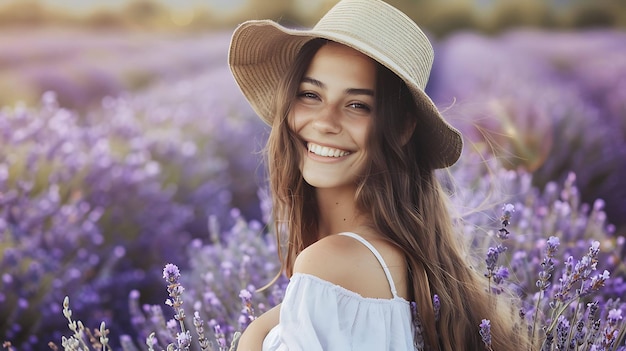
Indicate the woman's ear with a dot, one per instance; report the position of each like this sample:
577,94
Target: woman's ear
407,133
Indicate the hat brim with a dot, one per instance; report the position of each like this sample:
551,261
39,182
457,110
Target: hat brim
261,52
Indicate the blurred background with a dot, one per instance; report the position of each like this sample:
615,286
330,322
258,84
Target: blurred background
440,17
123,136
82,42
85,50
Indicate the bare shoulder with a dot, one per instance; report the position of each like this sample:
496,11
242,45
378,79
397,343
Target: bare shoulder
329,258
346,262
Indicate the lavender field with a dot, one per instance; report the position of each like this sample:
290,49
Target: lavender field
130,152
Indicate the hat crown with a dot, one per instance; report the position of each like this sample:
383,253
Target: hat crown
384,31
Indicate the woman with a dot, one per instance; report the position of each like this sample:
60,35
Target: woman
352,155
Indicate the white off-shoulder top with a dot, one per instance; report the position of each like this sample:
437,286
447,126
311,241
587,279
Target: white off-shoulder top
317,315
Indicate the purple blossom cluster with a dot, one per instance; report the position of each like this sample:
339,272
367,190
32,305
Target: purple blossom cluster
74,217
93,204
574,307
550,103
558,311
88,65
223,289
547,218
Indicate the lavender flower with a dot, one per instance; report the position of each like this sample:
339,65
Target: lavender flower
94,201
614,316
436,307
220,337
547,266
199,325
171,273
579,336
492,259
500,275
83,338
183,340
493,273
525,121
247,314
596,283
418,338
613,332
485,333
580,274
507,211
562,333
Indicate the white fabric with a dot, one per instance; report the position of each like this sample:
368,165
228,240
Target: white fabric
317,315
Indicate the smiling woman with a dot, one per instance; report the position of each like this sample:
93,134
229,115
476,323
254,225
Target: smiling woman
352,154
332,116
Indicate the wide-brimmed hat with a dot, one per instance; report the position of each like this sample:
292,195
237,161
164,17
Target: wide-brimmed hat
261,52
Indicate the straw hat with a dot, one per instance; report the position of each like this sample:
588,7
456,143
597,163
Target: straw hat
261,51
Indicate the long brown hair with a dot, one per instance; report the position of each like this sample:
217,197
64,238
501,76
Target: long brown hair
402,194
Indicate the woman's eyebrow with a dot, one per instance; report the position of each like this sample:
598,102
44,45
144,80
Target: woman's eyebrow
355,91
314,82
349,91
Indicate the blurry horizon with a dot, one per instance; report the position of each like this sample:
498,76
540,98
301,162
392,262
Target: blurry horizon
106,63
82,6
438,17
85,7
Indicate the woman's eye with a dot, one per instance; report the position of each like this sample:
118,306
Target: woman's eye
359,106
308,95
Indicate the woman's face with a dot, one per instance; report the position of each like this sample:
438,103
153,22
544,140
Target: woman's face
333,114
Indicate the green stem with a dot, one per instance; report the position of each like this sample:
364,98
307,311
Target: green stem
573,327
560,308
535,317
620,337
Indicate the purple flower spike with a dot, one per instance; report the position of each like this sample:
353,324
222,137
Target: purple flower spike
547,266
245,296
436,307
220,337
493,253
184,340
562,332
492,258
598,281
247,314
553,243
171,273
507,211
485,333
501,274
614,316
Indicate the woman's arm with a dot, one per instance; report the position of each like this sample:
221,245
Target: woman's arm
252,338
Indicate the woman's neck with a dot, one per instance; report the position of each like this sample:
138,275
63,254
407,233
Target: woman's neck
338,211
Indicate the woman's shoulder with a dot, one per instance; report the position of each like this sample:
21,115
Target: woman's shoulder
329,258
346,262
329,250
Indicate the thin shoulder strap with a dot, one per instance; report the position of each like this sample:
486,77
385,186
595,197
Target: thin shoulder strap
378,256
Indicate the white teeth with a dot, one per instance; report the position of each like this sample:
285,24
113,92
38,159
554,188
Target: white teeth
326,151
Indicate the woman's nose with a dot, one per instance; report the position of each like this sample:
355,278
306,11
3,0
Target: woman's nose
327,120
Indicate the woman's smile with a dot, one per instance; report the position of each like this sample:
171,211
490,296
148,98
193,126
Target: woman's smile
326,151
